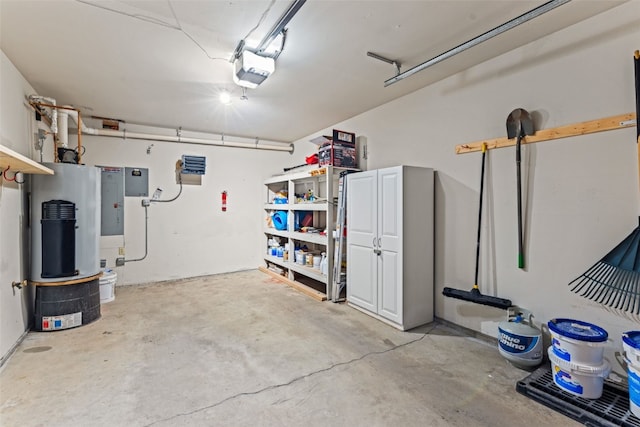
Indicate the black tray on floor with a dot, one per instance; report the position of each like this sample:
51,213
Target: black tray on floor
612,409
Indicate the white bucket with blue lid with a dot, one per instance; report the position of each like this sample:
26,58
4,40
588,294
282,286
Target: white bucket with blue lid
580,380
578,342
631,345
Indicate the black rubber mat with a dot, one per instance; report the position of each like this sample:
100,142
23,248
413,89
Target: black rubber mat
612,409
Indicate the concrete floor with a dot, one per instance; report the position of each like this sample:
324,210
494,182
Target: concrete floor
243,350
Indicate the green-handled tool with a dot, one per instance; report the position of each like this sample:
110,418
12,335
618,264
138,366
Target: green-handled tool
519,124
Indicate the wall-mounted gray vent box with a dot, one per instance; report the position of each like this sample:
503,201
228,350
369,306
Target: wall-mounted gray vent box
193,165
136,182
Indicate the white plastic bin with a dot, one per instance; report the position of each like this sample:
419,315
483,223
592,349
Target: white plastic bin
631,345
577,342
107,286
580,380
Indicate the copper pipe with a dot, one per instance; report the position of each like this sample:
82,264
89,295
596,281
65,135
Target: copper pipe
59,107
55,143
55,149
79,138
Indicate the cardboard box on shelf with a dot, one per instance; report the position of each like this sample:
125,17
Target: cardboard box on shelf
337,150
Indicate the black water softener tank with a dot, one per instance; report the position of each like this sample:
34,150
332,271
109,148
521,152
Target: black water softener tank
58,239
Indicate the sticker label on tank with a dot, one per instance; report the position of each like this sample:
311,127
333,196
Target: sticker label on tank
560,352
54,323
517,343
634,387
563,379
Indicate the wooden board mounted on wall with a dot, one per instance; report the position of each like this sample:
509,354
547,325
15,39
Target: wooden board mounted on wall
583,128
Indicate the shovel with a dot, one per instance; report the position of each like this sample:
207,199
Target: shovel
519,124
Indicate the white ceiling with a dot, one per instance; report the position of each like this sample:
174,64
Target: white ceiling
134,62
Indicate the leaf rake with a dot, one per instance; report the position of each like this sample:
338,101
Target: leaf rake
615,279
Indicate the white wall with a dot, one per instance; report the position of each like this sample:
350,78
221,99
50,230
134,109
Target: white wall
190,236
581,192
15,133
581,195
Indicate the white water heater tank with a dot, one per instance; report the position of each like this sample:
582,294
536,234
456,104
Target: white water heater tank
65,223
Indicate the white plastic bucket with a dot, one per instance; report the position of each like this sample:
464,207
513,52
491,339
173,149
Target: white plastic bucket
580,380
577,342
107,286
631,345
634,389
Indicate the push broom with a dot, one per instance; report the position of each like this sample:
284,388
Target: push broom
474,295
615,279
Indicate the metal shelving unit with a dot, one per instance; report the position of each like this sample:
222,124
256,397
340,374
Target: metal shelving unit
323,184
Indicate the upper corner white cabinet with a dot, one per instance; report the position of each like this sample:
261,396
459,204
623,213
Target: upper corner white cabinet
390,244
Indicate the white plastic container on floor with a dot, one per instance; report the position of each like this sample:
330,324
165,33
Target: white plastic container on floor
577,342
631,345
107,286
580,380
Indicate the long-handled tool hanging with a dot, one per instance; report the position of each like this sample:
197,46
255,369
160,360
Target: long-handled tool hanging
615,279
474,295
519,124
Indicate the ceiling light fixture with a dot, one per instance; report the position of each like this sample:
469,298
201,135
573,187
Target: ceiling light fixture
225,98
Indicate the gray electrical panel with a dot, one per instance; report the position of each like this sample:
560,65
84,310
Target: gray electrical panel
136,182
112,209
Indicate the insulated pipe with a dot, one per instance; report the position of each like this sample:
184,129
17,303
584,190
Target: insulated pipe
68,111
533,13
63,129
255,144
51,103
75,116
222,141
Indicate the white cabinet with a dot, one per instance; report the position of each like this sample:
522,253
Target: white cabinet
320,210
390,244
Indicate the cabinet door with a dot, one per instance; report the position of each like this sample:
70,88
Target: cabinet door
362,284
390,208
389,286
390,200
362,208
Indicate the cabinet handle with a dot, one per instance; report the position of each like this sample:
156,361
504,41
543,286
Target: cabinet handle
379,241
374,242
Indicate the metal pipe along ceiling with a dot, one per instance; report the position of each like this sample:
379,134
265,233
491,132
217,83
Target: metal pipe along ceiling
533,13
221,141
236,142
